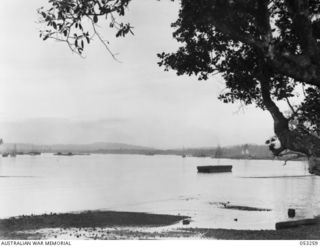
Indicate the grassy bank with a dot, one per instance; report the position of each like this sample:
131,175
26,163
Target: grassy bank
87,219
128,225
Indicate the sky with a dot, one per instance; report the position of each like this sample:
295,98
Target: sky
48,95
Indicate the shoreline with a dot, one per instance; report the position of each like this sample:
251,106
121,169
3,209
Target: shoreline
174,154
33,226
106,225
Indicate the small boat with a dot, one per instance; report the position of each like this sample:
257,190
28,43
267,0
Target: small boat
150,153
296,223
64,154
214,169
34,153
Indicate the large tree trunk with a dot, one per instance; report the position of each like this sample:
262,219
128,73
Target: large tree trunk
314,165
295,140
302,142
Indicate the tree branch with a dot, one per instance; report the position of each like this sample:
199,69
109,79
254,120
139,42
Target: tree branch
280,122
290,106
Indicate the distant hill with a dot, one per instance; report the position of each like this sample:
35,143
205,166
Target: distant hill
98,147
237,151
115,145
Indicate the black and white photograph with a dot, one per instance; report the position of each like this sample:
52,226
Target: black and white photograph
159,120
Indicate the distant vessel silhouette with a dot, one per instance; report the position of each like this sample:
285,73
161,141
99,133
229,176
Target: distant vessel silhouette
14,151
245,152
34,153
218,154
64,154
183,155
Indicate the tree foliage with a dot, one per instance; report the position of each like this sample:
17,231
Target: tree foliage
245,41
75,21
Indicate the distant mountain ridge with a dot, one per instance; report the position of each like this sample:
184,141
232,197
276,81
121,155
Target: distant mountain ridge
91,147
117,145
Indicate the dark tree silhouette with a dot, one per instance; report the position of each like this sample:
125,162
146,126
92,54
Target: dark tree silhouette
266,50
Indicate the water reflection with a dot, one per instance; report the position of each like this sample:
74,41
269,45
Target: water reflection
159,184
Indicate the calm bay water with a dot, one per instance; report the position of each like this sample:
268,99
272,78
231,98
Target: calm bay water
159,184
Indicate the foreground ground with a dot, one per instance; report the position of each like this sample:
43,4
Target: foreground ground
126,225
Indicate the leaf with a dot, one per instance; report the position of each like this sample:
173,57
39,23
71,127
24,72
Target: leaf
95,18
119,33
121,12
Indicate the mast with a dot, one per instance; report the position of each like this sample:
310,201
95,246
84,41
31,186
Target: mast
218,152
